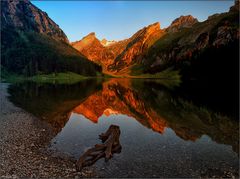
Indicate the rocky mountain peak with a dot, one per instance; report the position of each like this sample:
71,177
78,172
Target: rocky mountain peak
23,15
93,49
92,34
145,32
153,27
182,22
86,42
90,37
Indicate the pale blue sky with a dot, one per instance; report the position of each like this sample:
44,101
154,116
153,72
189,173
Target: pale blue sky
116,20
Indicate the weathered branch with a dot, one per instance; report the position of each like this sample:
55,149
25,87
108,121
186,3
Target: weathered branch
109,146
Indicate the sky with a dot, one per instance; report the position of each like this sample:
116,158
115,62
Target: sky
117,20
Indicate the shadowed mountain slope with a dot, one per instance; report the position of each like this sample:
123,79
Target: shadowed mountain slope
33,44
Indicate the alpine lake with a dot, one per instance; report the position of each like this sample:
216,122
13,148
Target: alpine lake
167,129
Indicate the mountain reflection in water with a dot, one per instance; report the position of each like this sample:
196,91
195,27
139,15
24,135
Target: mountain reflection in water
160,129
119,97
148,102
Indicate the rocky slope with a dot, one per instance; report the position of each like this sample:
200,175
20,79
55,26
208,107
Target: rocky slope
137,45
25,16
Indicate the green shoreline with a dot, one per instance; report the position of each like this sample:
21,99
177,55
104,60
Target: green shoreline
70,78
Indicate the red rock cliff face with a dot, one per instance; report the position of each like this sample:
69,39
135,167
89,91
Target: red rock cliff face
93,49
119,55
136,46
23,15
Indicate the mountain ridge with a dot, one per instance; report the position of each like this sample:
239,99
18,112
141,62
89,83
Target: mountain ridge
131,51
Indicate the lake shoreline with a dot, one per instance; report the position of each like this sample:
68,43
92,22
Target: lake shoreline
24,140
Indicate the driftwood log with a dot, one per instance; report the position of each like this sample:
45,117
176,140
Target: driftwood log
110,145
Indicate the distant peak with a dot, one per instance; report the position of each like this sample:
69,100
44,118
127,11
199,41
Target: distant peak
182,22
151,28
184,19
92,34
155,25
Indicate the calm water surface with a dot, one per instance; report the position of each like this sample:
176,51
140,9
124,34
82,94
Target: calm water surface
163,134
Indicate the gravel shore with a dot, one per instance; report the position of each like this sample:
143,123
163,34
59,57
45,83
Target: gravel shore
23,143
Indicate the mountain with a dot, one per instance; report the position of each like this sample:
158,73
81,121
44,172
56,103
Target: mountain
116,56
135,48
188,43
187,39
206,54
216,31
93,49
152,49
123,56
33,44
